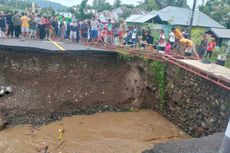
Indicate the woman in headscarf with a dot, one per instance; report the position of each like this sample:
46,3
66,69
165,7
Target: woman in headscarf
42,28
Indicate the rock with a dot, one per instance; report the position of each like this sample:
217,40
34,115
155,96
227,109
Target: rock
3,123
203,125
222,107
2,92
42,147
2,87
8,90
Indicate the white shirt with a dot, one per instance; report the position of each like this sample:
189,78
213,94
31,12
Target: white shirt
171,37
134,35
94,24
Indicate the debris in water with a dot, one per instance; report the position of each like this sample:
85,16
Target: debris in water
42,147
61,132
60,143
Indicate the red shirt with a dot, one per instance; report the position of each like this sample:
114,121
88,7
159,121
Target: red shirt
109,29
211,46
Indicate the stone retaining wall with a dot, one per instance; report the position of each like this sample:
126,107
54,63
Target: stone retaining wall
196,105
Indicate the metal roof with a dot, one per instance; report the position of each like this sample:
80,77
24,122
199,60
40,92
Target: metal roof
115,14
140,18
181,16
132,18
221,33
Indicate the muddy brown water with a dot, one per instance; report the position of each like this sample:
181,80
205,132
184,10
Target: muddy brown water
126,132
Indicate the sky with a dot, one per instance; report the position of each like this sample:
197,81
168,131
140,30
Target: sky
134,2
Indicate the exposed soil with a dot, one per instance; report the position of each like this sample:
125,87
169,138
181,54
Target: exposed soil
50,85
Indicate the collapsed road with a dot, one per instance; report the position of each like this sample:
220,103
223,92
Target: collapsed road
47,85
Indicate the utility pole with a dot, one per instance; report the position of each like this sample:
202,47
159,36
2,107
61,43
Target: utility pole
16,4
225,147
191,19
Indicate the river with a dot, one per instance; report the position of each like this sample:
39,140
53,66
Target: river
123,132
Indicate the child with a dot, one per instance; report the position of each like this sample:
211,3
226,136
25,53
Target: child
168,47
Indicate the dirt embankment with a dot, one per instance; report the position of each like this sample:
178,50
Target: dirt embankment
47,84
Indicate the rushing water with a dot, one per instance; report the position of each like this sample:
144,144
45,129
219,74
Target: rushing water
130,132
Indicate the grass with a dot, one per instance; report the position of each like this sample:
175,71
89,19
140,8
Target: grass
213,59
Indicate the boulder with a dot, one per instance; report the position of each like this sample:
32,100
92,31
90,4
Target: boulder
3,123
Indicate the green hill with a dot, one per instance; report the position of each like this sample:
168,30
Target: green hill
47,3
22,4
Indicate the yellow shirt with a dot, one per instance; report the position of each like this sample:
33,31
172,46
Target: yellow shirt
187,42
25,21
178,34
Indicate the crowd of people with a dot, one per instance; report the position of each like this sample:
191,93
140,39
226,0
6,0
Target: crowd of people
93,31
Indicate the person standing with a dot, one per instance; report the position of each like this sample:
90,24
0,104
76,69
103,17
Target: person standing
89,30
84,30
109,32
54,24
17,24
122,31
68,28
94,30
63,28
2,26
172,39
203,46
37,20
100,31
168,47
210,47
73,31
47,27
33,27
25,26
161,42
134,36
41,28
10,25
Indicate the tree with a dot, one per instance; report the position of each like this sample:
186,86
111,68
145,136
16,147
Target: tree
101,5
149,5
117,3
218,10
82,8
48,11
177,3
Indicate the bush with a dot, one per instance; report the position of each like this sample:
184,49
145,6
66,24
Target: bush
197,35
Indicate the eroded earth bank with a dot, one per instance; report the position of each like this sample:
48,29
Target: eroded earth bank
50,85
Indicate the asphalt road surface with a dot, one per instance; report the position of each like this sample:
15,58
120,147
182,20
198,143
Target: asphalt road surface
210,144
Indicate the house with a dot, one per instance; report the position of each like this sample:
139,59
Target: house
178,16
146,18
222,37
175,16
117,13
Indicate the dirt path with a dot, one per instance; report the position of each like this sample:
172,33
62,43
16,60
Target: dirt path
130,132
